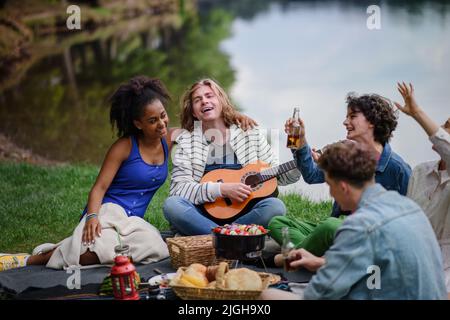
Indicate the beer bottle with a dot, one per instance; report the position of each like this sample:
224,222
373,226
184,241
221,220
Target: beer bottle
286,247
293,139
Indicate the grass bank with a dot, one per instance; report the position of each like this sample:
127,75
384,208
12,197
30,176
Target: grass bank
43,204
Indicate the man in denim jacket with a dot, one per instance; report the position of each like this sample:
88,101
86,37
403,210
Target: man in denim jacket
386,249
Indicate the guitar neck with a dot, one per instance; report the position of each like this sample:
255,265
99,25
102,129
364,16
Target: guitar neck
273,172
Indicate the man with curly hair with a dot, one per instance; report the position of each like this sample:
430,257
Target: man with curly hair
370,120
386,249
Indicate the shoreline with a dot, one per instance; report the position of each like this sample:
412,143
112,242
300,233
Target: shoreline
29,30
11,152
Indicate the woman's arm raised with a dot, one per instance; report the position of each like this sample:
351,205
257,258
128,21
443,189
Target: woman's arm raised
412,109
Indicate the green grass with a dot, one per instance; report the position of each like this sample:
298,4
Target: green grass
43,204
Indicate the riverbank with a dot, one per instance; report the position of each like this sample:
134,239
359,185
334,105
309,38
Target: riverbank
11,152
43,203
32,30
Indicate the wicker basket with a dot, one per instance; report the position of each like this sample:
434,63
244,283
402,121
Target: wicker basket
191,293
218,293
194,249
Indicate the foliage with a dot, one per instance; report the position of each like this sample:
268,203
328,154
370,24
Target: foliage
63,103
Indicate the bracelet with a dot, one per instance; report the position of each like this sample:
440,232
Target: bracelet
90,216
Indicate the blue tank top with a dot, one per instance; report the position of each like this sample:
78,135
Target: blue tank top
136,181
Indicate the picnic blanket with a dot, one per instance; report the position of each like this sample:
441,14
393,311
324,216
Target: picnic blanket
39,282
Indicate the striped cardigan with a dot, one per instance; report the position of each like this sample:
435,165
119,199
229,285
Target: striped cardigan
190,157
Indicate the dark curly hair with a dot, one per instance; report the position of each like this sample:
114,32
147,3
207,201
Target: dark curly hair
378,111
349,161
129,101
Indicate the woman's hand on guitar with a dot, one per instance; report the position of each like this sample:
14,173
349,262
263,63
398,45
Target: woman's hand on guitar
235,191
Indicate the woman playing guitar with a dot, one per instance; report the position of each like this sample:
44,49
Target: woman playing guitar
211,141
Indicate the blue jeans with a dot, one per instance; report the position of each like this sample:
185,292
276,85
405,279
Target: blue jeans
184,216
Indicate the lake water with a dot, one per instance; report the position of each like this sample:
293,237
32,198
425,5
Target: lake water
270,55
311,55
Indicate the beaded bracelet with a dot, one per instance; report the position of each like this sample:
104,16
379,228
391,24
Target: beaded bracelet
90,216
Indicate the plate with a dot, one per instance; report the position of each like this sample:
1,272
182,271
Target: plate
156,280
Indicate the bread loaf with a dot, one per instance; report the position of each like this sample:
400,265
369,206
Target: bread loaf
236,279
194,276
243,279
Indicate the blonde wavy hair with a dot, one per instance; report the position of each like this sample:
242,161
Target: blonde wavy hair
187,115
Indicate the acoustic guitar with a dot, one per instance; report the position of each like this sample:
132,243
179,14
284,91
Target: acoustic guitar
258,175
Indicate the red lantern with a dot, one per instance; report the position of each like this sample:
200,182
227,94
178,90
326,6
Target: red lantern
123,275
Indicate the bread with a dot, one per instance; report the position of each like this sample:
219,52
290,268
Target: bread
192,281
221,270
196,268
211,273
194,276
237,279
243,279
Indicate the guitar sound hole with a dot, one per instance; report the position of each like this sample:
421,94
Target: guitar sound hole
252,181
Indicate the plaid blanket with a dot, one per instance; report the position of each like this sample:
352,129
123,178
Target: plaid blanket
39,282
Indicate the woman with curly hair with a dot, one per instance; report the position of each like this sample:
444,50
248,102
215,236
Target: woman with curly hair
134,168
370,121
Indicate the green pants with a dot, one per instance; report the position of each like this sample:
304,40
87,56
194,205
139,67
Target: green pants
313,237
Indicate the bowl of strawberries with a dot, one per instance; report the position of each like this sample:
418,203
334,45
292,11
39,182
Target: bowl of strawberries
239,241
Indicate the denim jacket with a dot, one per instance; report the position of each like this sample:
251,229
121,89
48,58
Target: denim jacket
385,250
391,172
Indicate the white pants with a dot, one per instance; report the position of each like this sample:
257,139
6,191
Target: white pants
144,240
445,249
